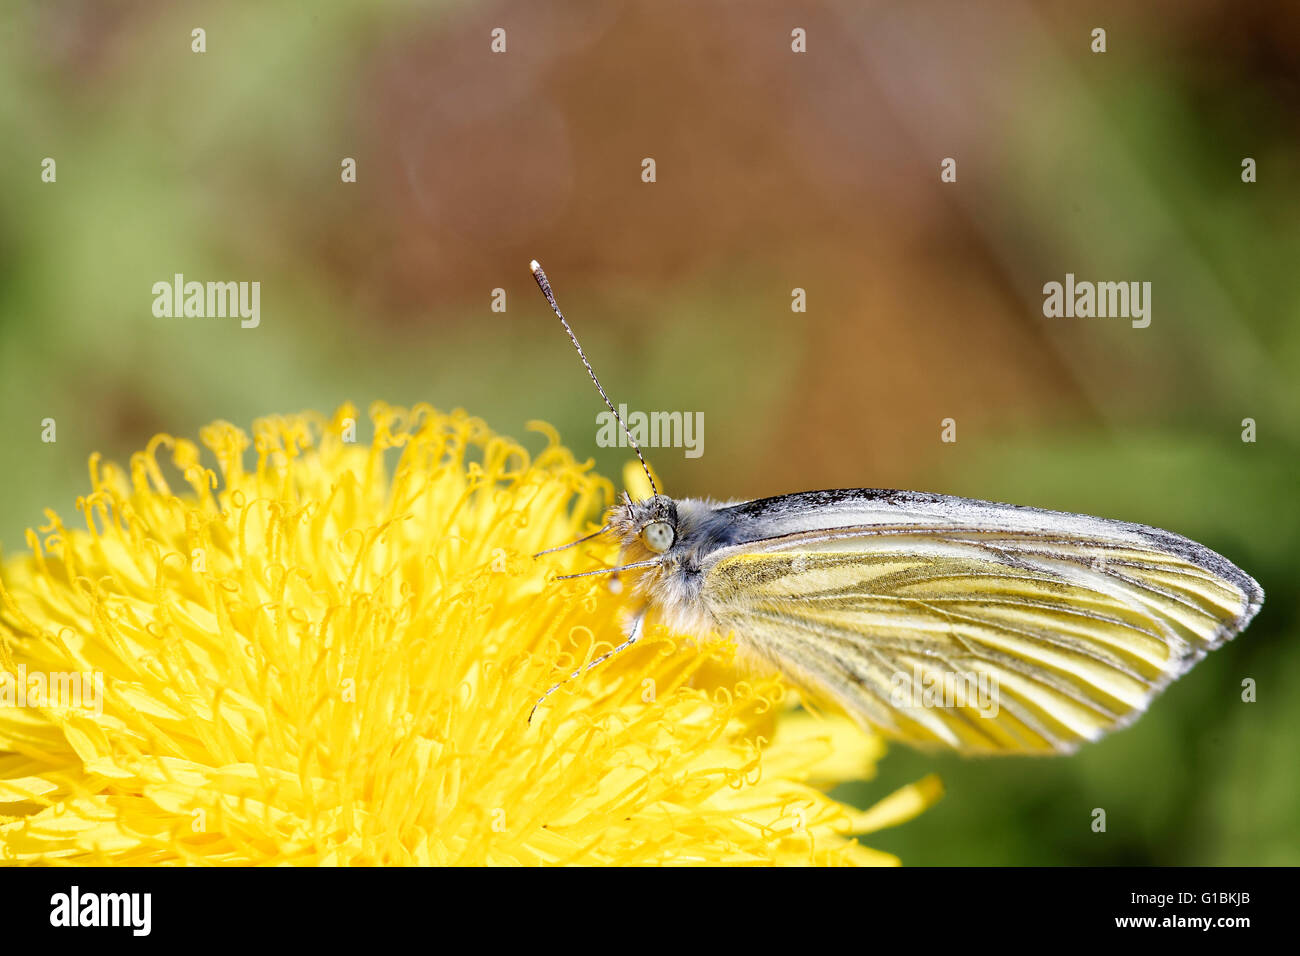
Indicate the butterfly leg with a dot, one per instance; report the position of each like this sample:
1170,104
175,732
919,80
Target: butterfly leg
634,635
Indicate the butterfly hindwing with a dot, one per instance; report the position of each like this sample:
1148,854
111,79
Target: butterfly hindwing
979,627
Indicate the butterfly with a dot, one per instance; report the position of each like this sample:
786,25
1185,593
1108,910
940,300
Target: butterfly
938,621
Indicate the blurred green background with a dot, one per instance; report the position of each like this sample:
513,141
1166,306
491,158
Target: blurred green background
775,170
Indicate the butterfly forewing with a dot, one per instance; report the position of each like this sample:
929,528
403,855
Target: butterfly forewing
981,627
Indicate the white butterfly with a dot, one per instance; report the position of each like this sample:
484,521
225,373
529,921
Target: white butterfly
939,621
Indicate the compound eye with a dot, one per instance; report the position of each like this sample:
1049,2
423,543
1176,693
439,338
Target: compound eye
658,536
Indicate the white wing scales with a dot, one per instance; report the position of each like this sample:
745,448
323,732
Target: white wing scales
981,627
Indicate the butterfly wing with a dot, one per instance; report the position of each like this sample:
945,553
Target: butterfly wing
980,627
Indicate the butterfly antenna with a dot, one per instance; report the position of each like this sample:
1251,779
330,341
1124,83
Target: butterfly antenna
545,285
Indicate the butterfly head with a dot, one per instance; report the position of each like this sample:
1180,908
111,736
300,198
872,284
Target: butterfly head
645,528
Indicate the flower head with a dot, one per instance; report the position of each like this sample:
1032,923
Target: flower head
325,652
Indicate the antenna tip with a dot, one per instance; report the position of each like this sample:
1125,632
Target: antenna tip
535,266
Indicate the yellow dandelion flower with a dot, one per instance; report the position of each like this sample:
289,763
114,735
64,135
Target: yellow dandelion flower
329,658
